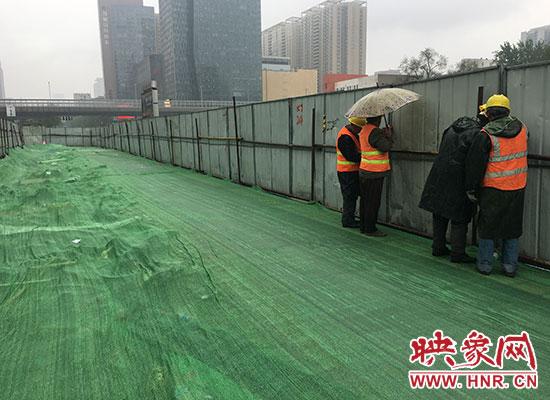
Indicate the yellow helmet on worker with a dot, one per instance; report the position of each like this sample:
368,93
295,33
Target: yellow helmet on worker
357,121
497,100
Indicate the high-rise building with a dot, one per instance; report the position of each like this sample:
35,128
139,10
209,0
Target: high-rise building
540,34
211,49
2,87
99,88
158,46
127,31
150,69
330,37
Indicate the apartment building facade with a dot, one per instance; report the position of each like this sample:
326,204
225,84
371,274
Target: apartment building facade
330,37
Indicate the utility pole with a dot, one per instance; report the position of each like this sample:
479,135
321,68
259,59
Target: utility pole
50,89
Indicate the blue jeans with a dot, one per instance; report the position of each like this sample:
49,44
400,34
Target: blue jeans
510,255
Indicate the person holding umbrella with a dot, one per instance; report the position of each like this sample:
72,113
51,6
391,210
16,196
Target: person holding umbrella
375,146
375,166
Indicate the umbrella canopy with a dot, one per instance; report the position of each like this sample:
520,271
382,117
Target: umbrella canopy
382,102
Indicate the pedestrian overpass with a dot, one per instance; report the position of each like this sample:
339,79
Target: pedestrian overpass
28,108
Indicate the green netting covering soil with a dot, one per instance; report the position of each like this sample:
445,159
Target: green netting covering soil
125,279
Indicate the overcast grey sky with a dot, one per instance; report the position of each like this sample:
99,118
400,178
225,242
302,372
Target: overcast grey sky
58,40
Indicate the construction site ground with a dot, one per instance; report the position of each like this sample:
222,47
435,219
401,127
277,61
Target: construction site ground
123,278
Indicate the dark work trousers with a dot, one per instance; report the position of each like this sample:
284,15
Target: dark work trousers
459,231
371,196
349,184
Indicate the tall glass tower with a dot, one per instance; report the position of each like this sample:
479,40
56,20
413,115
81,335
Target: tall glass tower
212,49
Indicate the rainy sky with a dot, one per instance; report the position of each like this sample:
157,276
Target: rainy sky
58,40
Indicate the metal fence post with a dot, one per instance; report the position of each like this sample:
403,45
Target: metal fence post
198,143
237,138
171,146
313,154
128,138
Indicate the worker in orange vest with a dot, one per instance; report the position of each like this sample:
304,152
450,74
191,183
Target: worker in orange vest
496,177
348,155
375,166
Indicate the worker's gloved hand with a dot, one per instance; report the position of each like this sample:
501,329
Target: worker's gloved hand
472,196
388,131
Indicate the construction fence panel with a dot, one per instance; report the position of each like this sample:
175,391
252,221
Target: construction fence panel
116,136
218,149
529,92
125,132
132,137
187,143
147,139
155,134
32,134
232,146
136,128
88,137
163,142
175,144
200,126
96,137
121,137
58,136
245,119
280,153
416,131
113,142
262,129
300,129
112,137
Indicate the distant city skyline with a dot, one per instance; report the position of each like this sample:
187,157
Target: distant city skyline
58,40
330,37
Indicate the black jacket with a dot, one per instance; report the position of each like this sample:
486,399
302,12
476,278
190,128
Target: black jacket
501,212
445,192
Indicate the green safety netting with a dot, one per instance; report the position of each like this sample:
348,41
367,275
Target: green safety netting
122,278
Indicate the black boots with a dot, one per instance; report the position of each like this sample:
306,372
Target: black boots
458,240
458,244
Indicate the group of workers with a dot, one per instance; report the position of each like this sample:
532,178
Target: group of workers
482,163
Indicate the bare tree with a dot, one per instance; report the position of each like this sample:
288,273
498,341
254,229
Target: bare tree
428,64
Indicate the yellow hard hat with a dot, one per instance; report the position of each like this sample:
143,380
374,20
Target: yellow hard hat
498,100
357,121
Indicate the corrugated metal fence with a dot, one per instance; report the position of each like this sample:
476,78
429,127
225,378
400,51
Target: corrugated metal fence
287,146
10,137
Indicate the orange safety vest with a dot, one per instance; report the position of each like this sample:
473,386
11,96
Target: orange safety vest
342,164
507,167
372,160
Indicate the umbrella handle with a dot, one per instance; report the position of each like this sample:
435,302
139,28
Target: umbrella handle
386,121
